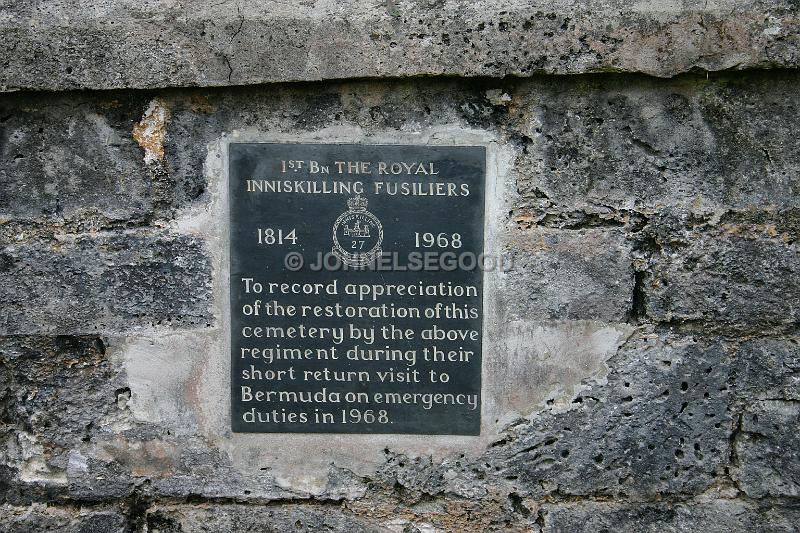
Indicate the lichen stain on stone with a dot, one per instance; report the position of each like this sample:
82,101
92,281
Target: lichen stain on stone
435,515
153,458
151,131
200,104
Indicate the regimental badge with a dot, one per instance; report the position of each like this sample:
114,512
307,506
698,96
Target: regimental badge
357,234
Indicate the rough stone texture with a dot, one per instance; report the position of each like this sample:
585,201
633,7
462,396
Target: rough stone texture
94,283
659,426
76,159
57,394
646,339
765,447
40,518
557,275
725,275
714,517
123,43
269,518
606,146
768,369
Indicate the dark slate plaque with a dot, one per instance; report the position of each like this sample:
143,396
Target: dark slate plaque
356,301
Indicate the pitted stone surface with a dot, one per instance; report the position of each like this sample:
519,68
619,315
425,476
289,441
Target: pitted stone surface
714,517
768,460
127,44
38,519
659,426
731,276
213,518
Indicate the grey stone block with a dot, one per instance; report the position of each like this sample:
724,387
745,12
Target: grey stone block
767,458
767,369
725,281
574,275
41,518
121,44
60,395
74,161
715,516
230,518
100,283
766,389
614,143
659,427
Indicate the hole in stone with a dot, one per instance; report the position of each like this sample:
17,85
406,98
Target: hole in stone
122,397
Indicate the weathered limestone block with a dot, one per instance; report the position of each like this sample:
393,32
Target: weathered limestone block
606,144
230,518
59,394
122,44
732,277
95,283
660,425
43,518
767,458
715,516
80,161
575,275
766,390
767,369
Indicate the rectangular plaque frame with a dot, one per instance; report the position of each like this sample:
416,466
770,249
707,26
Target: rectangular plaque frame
299,200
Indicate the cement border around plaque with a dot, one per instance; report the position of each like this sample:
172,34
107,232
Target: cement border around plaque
193,397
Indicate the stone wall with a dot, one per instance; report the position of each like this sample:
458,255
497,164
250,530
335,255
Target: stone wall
642,358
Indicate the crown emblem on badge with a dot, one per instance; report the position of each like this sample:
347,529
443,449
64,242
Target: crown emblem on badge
359,203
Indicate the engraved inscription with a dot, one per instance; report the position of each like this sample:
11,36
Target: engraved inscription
356,288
